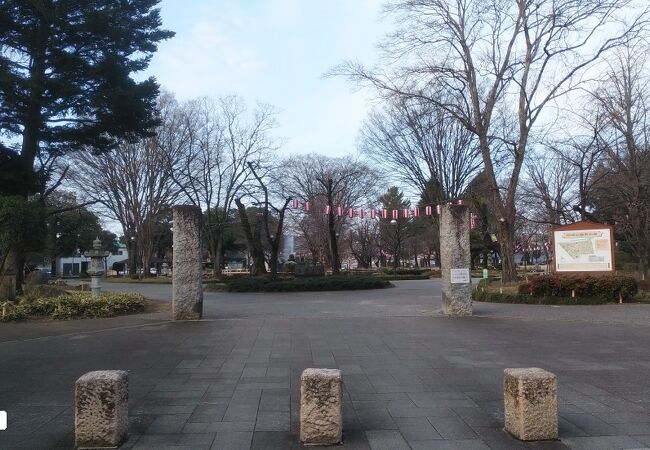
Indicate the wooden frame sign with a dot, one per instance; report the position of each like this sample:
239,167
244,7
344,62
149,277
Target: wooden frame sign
583,247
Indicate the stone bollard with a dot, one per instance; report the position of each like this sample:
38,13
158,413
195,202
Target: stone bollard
187,275
455,260
321,422
101,409
530,401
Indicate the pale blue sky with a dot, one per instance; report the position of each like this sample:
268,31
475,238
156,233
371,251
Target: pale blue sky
275,51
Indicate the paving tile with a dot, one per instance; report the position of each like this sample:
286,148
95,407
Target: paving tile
386,440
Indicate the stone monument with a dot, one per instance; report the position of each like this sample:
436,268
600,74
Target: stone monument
187,270
455,260
96,267
321,394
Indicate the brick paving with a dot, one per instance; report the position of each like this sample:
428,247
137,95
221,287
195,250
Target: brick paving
412,379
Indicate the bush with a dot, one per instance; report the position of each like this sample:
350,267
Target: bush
606,287
72,305
290,266
483,295
406,271
303,270
330,283
414,276
36,278
10,312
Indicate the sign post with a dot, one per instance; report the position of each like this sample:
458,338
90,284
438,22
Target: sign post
584,247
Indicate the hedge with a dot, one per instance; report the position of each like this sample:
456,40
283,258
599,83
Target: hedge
330,283
406,271
414,276
482,295
606,287
74,305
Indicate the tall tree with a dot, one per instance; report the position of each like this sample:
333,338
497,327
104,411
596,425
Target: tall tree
331,182
623,188
417,141
223,136
503,64
66,82
394,232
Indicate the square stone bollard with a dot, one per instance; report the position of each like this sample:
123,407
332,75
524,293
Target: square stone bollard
101,409
530,402
321,394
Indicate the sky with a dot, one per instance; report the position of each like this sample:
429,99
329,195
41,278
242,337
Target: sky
276,52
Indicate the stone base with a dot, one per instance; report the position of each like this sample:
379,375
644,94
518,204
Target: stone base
321,421
530,402
101,409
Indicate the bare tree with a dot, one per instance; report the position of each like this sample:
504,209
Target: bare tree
331,182
623,189
501,64
417,141
224,135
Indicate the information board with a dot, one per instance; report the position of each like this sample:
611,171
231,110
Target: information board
459,276
583,250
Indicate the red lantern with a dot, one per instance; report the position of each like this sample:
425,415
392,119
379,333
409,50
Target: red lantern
472,221
351,213
373,213
339,211
384,214
362,213
460,201
295,203
307,206
428,210
328,209
439,209
416,212
405,213
395,214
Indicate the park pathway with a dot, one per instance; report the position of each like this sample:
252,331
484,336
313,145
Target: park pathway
413,379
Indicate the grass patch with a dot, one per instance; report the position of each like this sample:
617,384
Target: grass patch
329,283
73,305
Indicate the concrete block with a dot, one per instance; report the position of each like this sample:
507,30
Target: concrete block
530,404
321,394
455,260
101,409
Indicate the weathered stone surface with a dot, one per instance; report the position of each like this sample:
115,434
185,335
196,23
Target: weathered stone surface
187,275
530,398
101,409
455,254
321,422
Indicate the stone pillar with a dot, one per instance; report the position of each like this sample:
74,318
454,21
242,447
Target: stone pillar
101,409
187,275
530,404
455,260
321,421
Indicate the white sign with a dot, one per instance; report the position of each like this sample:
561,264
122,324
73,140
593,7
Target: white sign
583,250
3,420
459,276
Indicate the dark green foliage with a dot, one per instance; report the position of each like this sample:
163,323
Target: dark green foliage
606,287
36,278
404,277
66,73
481,295
303,270
406,271
330,283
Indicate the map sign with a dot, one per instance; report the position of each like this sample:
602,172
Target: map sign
583,250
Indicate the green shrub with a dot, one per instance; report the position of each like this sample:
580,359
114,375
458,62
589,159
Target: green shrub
11,312
302,270
404,271
330,283
77,304
483,295
290,266
414,276
606,287
36,278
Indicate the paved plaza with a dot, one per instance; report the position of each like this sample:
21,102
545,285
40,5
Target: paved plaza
412,378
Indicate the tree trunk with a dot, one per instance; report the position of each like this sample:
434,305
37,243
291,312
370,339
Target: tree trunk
506,245
218,257
253,240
